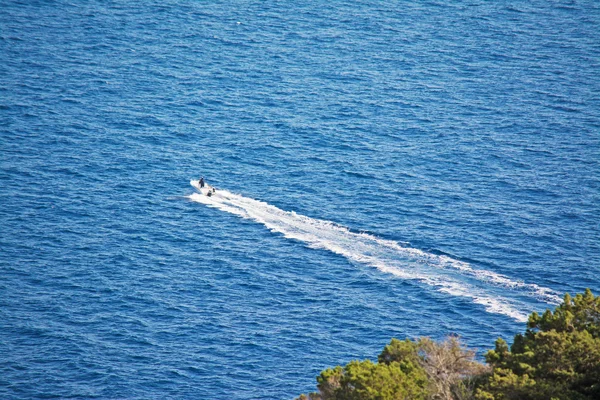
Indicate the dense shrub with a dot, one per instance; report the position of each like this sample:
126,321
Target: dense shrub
558,357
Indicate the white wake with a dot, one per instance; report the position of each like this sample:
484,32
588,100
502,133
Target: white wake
443,273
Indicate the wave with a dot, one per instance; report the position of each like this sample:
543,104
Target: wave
443,273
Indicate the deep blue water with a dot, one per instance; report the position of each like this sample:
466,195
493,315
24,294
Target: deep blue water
387,169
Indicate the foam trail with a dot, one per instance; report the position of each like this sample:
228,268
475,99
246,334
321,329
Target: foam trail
443,273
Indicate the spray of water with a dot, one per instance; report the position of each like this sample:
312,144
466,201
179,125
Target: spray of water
439,272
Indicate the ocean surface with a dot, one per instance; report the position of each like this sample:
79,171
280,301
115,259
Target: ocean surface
383,169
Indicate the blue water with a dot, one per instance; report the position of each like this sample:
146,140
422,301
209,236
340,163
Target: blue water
385,169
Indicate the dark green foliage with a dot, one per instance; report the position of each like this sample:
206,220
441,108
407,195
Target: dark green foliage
579,314
401,351
558,357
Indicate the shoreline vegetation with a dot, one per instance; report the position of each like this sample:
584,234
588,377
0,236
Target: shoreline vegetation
557,358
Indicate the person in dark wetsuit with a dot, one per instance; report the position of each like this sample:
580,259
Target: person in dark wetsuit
201,182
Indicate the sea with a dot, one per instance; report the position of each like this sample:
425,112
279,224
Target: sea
381,169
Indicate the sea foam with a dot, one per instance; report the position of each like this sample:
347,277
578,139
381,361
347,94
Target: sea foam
497,293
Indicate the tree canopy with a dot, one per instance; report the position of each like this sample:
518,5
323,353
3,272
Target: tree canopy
557,358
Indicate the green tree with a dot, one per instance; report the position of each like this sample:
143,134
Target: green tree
558,357
365,380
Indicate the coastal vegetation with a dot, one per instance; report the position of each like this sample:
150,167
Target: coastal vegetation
556,358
